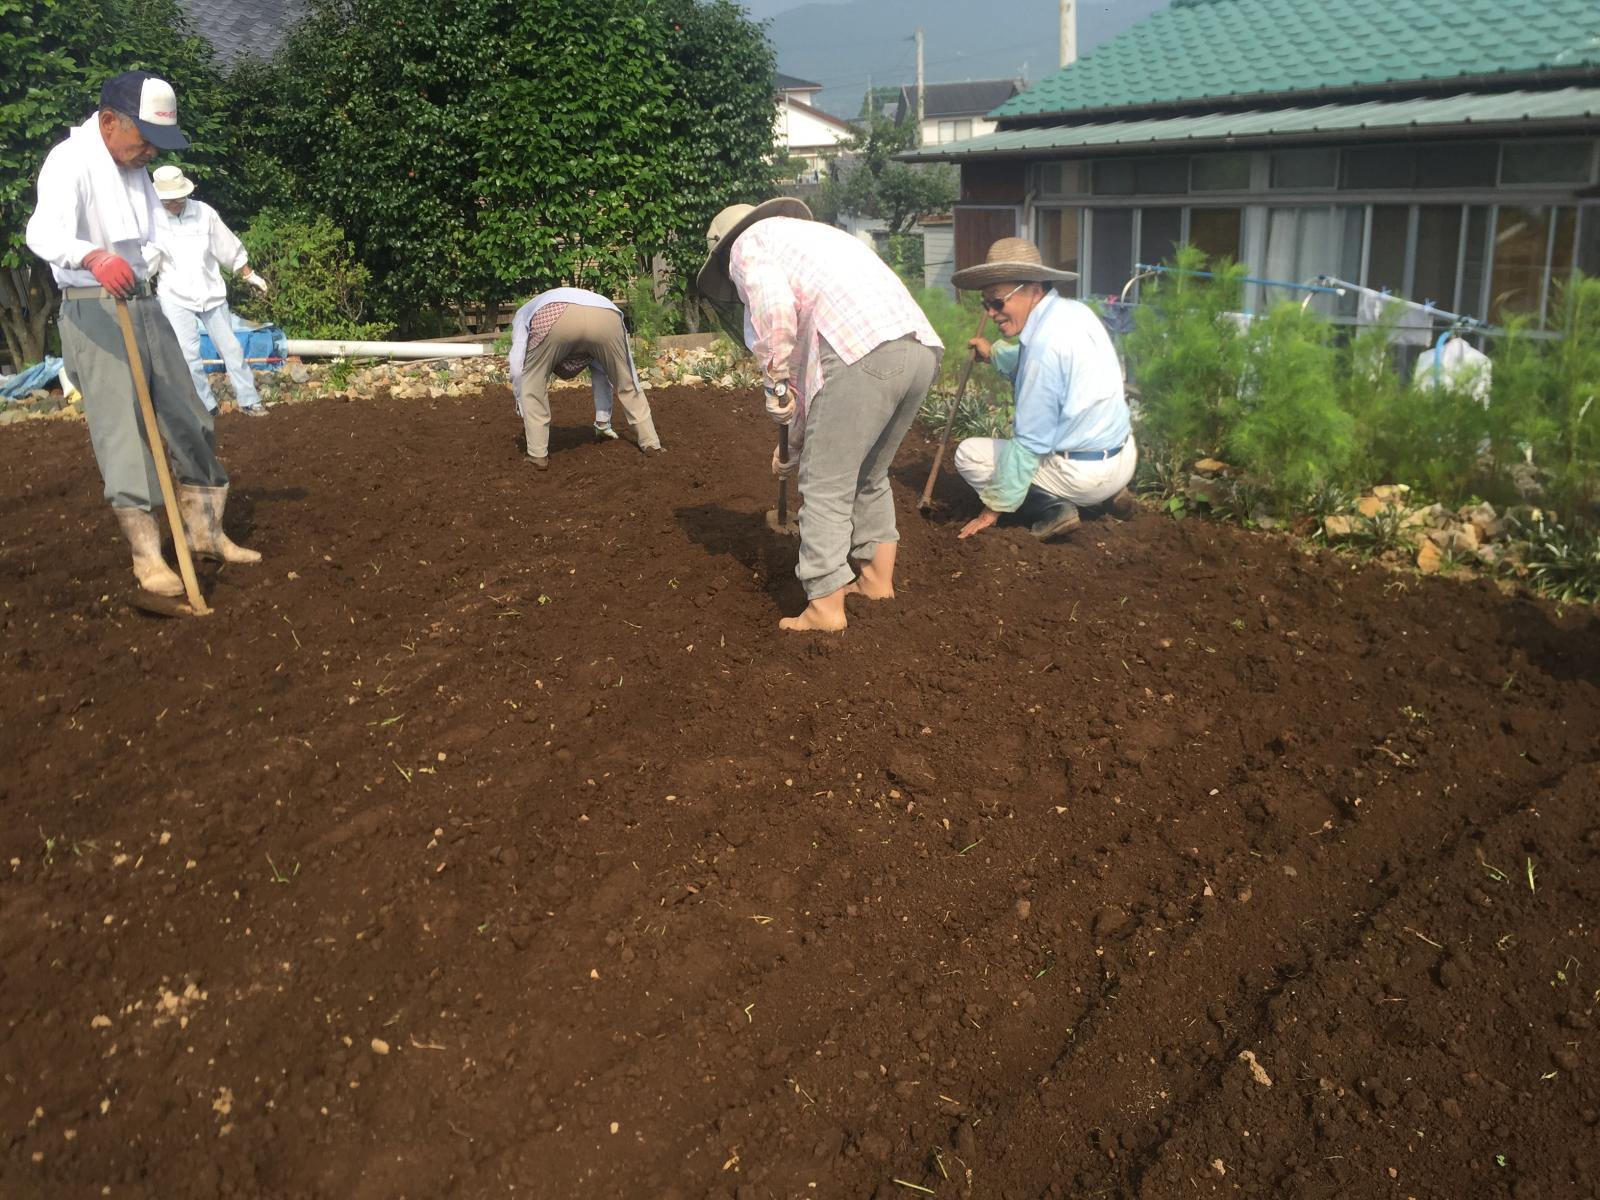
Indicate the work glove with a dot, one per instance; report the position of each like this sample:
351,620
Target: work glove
780,468
781,409
255,281
113,272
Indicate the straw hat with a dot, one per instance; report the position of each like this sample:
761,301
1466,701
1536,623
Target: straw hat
171,183
725,229
1011,260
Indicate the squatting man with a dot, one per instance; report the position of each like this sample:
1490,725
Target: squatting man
98,224
1073,446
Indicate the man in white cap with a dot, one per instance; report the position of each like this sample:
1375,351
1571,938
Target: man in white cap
846,357
1073,443
191,289
98,224
560,332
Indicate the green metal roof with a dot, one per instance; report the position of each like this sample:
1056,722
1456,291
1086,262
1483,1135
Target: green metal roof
1200,49
1498,113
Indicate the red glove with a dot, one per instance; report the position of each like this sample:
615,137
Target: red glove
113,272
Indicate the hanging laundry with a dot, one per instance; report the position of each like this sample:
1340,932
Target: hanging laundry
1456,364
1413,323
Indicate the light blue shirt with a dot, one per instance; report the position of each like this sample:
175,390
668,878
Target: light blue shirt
1068,387
519,344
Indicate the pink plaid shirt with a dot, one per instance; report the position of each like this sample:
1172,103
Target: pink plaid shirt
801,280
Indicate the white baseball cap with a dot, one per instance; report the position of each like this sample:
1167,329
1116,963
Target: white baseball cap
152,104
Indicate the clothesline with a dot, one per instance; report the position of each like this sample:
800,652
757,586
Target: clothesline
1428,306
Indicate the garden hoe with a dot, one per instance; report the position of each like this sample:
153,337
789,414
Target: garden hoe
924,504
166,606
778,519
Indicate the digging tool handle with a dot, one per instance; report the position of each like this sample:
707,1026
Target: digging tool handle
783,480
158,452
949,422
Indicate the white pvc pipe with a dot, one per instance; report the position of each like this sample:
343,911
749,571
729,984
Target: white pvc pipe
311,348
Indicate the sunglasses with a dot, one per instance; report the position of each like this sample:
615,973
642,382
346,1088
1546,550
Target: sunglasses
994,306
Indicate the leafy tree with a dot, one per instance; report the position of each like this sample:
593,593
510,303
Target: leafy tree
56,54
318,289
867,181
479,152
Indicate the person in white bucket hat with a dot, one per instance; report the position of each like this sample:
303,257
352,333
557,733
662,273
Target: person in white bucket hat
191,289
1072,445
98,225
847,358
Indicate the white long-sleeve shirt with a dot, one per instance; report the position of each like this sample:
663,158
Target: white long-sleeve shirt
518,353
86,203
199,248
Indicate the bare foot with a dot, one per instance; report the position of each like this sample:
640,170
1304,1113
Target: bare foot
871,585
825,614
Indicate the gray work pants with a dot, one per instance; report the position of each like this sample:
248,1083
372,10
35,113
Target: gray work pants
91,344
598,333
854,426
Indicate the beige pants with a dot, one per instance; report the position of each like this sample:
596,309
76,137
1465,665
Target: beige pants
598,333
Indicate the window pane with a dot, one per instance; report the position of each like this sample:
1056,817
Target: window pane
1520,238
1064,179
1438,245
1474,267
1111,251
1466,166
1379,167
1215,231
1386,264
1160,231
1161,176
1545,162
1304,168
1113,177
964,128
1303,243
1220,173
1561,246
1058,242
1589,241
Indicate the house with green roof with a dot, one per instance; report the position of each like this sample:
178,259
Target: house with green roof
1445,150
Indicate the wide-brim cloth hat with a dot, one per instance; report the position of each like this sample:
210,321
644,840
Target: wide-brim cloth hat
171,183
152,104
713,280
1010,260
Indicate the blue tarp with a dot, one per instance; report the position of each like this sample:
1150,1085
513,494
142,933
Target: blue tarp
14,387
263,347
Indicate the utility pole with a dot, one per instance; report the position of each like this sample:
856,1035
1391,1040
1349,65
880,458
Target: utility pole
1069,33
919,85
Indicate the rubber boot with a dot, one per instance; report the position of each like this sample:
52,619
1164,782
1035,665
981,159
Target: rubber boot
202,522
144,537
1048,516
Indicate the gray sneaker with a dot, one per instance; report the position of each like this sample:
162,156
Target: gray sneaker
254,410
604,432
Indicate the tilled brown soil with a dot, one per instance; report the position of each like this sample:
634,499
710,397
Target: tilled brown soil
490,840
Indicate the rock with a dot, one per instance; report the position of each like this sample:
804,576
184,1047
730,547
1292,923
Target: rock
1211,466
1338,526
1205,489
298,372
691,381
1370,506
1428,558
1392,494
1257,1071
1457,538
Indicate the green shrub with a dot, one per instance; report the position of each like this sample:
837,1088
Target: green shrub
651,316
1286,425
318,288
1550,393
1564,564
1187,356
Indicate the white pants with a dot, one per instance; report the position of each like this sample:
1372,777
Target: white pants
1082,482
219,324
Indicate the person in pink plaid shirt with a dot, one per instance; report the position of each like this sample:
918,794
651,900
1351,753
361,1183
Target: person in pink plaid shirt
847,358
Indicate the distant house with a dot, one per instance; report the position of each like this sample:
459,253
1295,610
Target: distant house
953,112
1444,149
804,132
251,28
